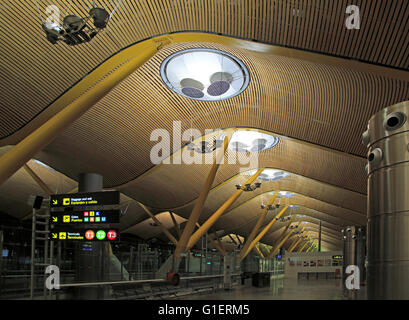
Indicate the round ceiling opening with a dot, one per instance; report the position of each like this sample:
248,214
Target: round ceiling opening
205,74
270,175
252,141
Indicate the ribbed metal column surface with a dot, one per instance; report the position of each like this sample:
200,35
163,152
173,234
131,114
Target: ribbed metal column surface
388,203
355,250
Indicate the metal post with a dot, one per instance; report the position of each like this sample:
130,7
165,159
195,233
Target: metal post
388,203
1,258
130,266
33,239
90,264
319,237
45,259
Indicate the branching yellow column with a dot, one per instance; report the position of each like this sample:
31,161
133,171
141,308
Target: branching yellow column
257,250
278,245
305,244
25,150
163,229
256,227
181,247
38,180
303,247
212,220
177,228
282,235
262,233
217,246
295,245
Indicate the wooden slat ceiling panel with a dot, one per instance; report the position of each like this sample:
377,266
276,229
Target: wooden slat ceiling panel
34,72
121,131
293,183
252,209
242,222
146,230
15,192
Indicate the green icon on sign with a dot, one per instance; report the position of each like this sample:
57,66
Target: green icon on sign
101,235
97,219
86,219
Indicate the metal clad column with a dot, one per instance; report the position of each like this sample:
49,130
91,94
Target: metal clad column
387,138
92,256
354,251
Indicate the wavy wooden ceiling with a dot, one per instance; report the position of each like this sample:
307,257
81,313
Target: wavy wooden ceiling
319,109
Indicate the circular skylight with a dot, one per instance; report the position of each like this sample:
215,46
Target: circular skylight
205,74
285,194
252,141
270,174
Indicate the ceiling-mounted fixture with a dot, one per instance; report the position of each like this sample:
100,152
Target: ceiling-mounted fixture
205,146
75,30
252,141
285,195
205,74
284,219
269,207
248,187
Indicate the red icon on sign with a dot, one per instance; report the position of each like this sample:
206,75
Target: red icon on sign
111,235
89,235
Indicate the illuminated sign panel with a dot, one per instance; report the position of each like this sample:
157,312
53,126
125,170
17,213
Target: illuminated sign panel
91,234
85,216
85,199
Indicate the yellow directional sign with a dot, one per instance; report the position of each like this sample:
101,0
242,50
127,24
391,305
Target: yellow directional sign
54,235
55,202
66,219
55,219
63,235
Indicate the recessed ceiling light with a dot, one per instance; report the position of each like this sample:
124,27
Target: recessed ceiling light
205,74
252,141
285,194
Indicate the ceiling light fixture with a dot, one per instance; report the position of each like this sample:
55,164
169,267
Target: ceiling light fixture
205,74
75,30
252,141
248,187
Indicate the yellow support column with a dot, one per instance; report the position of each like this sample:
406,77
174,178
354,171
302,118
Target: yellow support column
212,220
256,227
26,149
282,235
38,180
295,245
305,244
257,250
181,247
262,233
278,245
303,247
163,229
217,246
177,228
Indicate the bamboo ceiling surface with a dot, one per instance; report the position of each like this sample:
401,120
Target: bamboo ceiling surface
318,109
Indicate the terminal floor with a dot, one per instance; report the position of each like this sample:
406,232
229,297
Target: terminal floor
286,289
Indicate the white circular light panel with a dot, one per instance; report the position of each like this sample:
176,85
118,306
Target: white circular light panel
252,141
270,175
205,74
